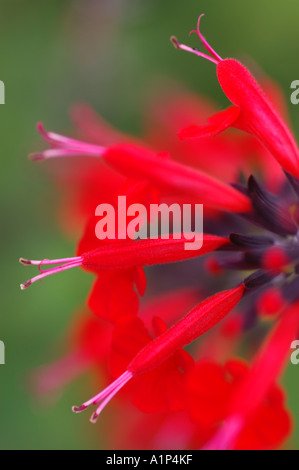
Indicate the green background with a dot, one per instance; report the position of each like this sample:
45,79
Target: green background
108,53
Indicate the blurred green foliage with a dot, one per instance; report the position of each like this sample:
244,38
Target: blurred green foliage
108,53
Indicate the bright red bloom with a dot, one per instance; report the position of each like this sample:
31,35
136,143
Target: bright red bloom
252,112
174,108
135,162
202,318
123,254
141,164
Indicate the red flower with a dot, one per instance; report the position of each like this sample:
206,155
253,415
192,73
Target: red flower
126,254
202,318
252,111
141,164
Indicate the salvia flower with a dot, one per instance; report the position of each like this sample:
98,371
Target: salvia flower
252,111
202,318
251,241
121,254
136,162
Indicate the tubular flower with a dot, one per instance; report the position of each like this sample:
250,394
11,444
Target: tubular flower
127,254
175,108
251,110
201,398
202,318
138,163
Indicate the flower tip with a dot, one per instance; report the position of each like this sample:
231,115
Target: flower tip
94,418
175,42
198,23
79,409
25,285
24,261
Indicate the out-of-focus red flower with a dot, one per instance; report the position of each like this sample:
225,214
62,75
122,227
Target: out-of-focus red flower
210,388
251,112
255,389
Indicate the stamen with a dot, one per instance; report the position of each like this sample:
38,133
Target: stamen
183,47
215,57
58,140
61,153
25,262
204,41
47,261
67,263
104,396
96,414
65,147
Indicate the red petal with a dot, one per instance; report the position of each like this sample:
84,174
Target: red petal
202,318
91,335
113,296
257,116
173,108
89,241
160,390
125,254
170,306
140,280
138,163
208,392
217,123
268,427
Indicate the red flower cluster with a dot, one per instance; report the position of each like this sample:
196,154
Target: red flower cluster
207,397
